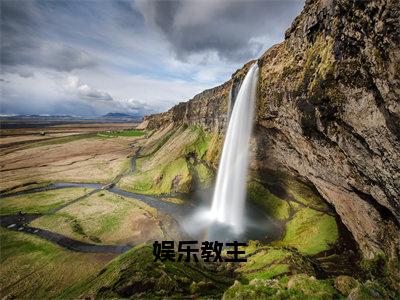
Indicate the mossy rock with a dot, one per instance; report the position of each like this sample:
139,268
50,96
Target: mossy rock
204,175
240,291
173,163
345,284
310,231
274,206
295,287
135,274
311,287
371,290
264,262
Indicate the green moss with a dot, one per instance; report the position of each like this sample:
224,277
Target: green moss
200,145
164,139
176,176
124,133
166,169
204,174
214,148
271,272
303,194
239,291
310,231
141,183
370,265
253,245
172,177
263,259
135,273
295,287
318,62
311,287
274,206
345,284
372,290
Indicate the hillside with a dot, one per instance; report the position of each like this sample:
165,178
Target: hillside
325,156
327,112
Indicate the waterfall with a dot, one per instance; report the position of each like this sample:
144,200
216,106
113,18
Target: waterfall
230,190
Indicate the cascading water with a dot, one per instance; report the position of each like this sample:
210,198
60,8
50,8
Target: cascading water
230,190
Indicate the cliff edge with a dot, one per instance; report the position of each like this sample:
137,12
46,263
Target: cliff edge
328,112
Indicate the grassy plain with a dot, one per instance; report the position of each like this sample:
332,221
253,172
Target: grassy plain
105,218
40,202
171,159
32,268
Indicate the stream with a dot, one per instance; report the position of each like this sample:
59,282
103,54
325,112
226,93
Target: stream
261,227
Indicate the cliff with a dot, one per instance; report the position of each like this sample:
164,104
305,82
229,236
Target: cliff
328,112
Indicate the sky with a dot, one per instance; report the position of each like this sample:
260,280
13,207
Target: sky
89,58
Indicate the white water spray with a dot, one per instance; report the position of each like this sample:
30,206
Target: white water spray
230,190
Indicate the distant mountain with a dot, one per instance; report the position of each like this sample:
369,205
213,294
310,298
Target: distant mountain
118,115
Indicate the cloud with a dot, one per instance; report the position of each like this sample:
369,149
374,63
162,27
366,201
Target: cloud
84,91
95,57
232,29
25,40
134,106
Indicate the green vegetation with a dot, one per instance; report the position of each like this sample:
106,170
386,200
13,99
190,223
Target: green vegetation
303,194
200,144
161,142
104,218
171,164
272,271
311,287
135,273
345,284
318,62
265,262
263,259
32,268
123,133
40,202
204,174
274,206
239,291
24,187
294,287
310,231
174,176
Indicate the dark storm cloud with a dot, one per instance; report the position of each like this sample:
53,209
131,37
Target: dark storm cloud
235,30
25,40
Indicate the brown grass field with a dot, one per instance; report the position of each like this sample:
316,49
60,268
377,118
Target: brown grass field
65,153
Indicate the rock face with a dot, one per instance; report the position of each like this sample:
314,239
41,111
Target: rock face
328,112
